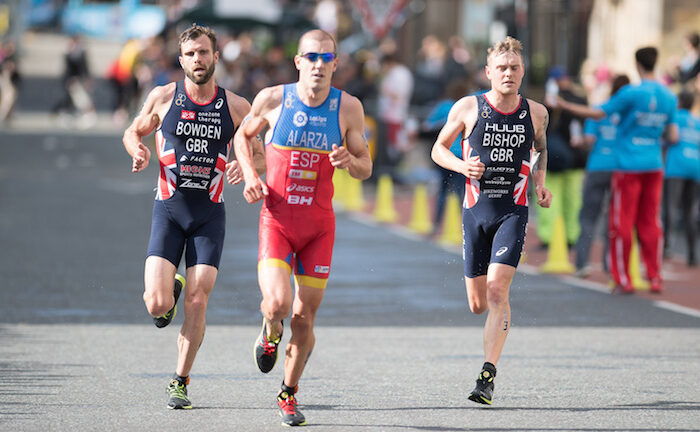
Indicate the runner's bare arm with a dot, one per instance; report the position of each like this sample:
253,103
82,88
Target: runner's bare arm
239,109
540,121
267,100
354,155
144,123
461,119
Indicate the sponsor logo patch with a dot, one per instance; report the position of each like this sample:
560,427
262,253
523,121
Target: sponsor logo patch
302,174
322,269
300,119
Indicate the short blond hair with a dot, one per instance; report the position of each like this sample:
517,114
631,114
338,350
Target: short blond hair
509,44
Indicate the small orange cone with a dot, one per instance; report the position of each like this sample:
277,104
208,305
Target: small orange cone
420,217
638,282
452,227
558,255
384,211
354,199
339,188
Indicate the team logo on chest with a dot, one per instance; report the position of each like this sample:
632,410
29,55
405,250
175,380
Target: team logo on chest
485,111
300,118
180,99
219,103
522,115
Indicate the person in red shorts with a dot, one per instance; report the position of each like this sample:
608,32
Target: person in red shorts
313,129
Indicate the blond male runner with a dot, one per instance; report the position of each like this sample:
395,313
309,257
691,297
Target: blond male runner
313,129
503,139
194,121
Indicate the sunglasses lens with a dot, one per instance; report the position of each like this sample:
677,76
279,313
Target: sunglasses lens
325,57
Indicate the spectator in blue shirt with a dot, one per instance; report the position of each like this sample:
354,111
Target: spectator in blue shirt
647,111
682,177
601,136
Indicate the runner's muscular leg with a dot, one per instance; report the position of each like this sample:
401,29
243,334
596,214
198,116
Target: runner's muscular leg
476,293
276,289
498,321
200,282
306,303
159,279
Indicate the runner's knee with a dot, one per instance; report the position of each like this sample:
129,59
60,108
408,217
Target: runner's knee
302,324
477,305
496,295
157,305
276,307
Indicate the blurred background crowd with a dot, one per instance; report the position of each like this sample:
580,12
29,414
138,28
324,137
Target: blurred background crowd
408,61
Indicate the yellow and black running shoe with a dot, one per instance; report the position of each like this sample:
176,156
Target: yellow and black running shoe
291,416
164,320
265,350
177,395
483,392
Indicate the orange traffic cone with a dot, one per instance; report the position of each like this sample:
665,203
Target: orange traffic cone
339,188
420,217
638,282
384,211
558,255
452,227
354,199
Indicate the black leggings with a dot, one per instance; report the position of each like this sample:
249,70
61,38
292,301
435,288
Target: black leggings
681,193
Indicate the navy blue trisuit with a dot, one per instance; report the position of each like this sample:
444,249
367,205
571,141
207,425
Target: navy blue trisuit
193,143
495,208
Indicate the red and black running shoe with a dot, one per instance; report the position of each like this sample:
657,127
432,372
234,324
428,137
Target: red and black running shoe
291,416
265,350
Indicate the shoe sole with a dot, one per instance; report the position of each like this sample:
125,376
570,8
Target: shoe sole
479,399
179,407
289,425
255,348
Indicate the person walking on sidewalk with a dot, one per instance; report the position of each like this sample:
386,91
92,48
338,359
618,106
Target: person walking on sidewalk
313,129
505,140
194,121
647,112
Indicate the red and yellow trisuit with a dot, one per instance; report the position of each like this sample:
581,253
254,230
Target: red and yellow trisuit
297,222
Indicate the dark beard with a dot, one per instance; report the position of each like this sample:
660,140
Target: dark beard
206,77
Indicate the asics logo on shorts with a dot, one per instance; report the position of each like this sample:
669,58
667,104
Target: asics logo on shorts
502,250
299,188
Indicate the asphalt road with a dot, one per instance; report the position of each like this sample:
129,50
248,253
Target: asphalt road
396,349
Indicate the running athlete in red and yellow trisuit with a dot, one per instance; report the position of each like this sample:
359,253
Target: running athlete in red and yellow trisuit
503,141
313,129
194,121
